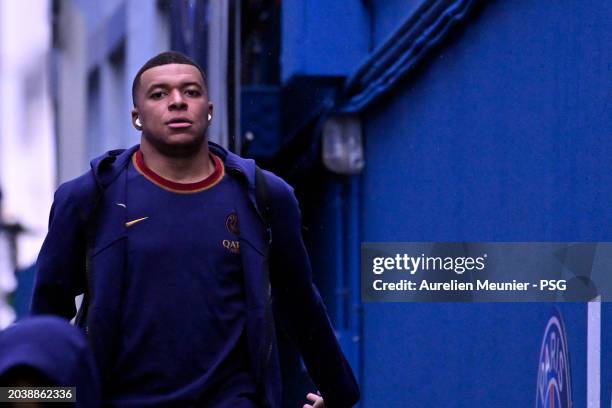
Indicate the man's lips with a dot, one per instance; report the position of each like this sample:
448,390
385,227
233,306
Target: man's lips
179,123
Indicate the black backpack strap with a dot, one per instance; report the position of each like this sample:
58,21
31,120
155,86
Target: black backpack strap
263,201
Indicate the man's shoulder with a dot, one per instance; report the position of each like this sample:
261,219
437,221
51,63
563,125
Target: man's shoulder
75,199
84,190
276,186
78,189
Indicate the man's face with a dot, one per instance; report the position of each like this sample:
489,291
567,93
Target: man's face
173,108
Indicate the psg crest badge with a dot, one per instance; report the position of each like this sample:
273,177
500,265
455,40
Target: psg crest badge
231,223
554,376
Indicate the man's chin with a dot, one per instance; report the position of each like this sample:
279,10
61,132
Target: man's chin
178,145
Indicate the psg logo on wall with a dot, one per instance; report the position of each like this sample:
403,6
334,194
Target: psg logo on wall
554,378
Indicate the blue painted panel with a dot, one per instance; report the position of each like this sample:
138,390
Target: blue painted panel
22,298
503,136
388,15
327,38
463,355
330,218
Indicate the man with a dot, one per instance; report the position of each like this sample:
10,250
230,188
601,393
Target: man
46,351
171,246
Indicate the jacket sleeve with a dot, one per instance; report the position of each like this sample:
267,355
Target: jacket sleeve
60,267
299,306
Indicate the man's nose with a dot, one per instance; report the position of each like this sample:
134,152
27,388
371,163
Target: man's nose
177,100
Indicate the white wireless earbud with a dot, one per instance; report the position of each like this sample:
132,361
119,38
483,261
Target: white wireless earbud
138,122
209,117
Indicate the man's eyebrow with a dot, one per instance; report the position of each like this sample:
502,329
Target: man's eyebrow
166,85
192,83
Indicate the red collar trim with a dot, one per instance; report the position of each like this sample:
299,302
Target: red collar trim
175,187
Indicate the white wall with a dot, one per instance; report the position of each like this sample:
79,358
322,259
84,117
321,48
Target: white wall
27,152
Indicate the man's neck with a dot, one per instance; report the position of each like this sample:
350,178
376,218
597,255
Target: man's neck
189,169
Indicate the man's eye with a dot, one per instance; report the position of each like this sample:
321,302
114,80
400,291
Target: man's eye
192,92
157,95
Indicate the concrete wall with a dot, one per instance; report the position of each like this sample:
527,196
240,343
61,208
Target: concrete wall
109,41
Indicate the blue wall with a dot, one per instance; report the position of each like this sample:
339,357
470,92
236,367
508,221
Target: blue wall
463,355
321,37
388,15
504,134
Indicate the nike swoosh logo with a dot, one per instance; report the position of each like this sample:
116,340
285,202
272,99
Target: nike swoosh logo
130,223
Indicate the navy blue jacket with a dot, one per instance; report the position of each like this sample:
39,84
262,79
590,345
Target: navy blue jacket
55,350
85,250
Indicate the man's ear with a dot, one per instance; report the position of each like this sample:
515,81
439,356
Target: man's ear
136,121
210,111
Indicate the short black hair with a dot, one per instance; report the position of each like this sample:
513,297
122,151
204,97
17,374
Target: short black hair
165,58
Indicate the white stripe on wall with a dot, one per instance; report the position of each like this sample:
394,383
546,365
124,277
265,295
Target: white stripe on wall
594,354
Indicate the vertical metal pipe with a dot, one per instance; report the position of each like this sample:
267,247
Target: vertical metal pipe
340,255
594,354
354,273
